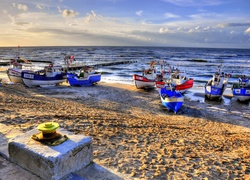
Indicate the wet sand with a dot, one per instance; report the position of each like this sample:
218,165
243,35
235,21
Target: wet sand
134,134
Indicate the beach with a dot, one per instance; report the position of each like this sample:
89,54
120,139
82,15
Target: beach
134,134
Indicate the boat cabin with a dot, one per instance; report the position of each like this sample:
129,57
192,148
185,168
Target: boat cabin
243,80
23,66
51,70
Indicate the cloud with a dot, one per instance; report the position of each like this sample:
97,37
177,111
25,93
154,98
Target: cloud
91,16
206,36
206,15
20,6
247,31
166,30
22,23
233,25
38,6
139,13
170,15
194,2
69,13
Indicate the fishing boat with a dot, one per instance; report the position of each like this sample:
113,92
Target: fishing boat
15,68
178,78
147,79
241,90
50,75
87,76
171,98
215,87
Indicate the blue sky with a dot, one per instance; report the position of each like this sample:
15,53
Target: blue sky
181,23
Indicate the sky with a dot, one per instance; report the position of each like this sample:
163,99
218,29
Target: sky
166,23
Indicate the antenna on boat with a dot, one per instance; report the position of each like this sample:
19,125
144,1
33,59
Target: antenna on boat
18,53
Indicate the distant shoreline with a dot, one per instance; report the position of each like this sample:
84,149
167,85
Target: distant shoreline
185,47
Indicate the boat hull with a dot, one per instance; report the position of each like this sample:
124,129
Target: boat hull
185,86
32,79
213,92
75,81
172,100
14,76
242,94
15,79
15,70
141,82
180,87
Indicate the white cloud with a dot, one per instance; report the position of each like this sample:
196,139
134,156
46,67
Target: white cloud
247,31
194,2
38,6
69,13
170,15
91,16
206,15
139,13
166,30
20,6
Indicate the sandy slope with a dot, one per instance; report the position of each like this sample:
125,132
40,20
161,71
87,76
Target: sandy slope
134,134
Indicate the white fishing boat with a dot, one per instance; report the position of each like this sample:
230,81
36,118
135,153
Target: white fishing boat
177,78
15,69
50,75
147,79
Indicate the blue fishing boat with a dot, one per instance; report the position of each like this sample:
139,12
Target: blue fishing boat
86,77
241,90
171,98
215,87
50,75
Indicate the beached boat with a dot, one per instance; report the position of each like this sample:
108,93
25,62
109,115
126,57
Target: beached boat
241,90
85,77
147,79
215,87
171,98
50,75
15,68
177,78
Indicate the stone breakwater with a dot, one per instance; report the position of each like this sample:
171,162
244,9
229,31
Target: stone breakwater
134,134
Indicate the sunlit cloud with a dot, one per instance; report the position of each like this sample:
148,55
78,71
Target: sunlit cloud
91,16
20,6
69,13
166,30
247,31
95,24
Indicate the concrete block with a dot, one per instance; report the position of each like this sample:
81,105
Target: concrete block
51,162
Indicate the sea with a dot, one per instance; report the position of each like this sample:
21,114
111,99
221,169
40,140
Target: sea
198,63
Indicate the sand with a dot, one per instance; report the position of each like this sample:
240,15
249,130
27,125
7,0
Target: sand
134,134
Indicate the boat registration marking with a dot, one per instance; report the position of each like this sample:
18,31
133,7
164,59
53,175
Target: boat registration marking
237,90
28,76
139,78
